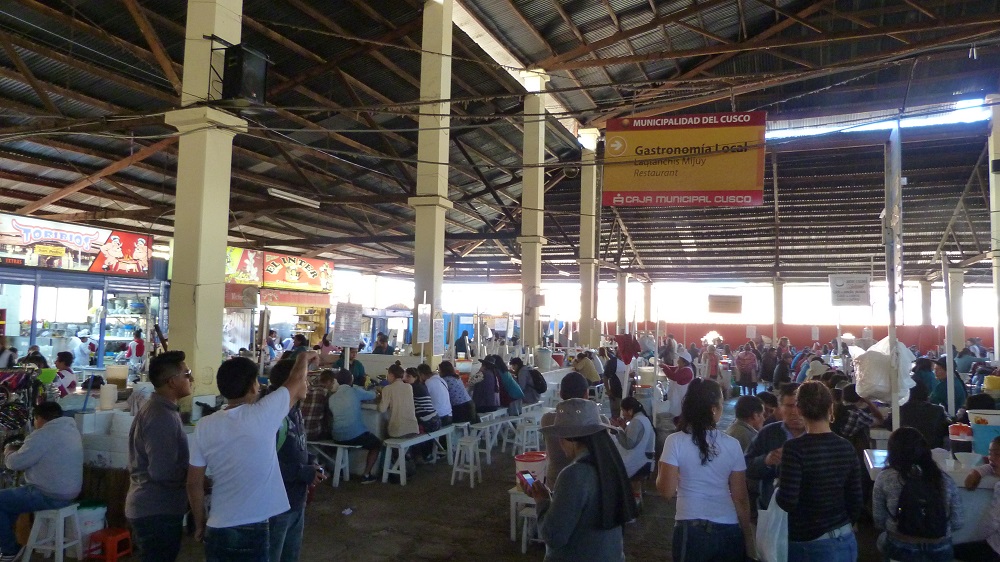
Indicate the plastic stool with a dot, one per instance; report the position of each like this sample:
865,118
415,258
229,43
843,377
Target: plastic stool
55,521
467,461
113,543
529,527
526,438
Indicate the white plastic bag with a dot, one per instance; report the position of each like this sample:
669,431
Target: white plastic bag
772,532
873,373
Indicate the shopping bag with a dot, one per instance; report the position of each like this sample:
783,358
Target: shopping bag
772,532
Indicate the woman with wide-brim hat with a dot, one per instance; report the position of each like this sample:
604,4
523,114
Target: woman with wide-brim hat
582,518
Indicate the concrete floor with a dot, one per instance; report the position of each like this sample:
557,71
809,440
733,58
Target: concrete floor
431,520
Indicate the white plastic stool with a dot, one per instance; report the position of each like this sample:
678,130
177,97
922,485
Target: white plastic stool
526,438
462,429
467,461
55,523
529,527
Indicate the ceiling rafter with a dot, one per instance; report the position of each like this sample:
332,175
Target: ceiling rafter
758,44
37,86
155,45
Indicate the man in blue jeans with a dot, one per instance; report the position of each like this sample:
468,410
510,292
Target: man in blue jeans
237,445
298,470
158,462
52,461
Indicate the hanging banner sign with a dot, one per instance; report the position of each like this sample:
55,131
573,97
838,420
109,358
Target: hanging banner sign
244,266
348,326
705,160
278,297
297,273
240,296
851,290
35,242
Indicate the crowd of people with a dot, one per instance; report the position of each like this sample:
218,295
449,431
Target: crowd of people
797,443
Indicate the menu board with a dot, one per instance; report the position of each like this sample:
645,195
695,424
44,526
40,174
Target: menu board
438,336
423,323
32,242
244,266
348,326
297,273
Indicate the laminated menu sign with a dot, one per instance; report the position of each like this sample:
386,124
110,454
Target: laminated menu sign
850,290
438,336
244,266
348,326
32,242
703,160
297,273
423,323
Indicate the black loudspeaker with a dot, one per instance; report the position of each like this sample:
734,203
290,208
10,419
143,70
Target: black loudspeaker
245,75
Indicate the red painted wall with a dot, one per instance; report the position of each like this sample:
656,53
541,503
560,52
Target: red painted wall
924,337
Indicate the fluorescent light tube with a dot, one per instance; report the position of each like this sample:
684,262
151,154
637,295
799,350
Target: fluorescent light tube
293,198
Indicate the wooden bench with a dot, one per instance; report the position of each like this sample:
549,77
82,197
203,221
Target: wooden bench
488,431
402,444
341,459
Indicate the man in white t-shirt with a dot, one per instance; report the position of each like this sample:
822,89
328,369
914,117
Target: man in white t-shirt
237,446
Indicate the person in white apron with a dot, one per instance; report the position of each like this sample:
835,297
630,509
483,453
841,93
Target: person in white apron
680,377
135,354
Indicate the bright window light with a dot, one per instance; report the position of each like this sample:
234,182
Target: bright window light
964,111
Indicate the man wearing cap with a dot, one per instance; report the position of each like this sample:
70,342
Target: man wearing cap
940,393
582,518
680,377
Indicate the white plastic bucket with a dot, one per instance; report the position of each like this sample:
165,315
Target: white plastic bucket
534,462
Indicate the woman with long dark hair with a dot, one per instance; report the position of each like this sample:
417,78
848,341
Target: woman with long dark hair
592,500
910,467
462,407
486,385
819,484
705,469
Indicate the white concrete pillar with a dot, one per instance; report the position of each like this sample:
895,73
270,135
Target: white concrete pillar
222,18
622,302
778,287
532,205
431,202
203,176
589,334
956,278
647,301
925,303
994,169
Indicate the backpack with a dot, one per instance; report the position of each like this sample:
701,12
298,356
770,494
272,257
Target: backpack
538,381
921,510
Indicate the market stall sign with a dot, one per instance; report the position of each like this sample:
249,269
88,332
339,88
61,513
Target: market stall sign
240,296
278,297
244,266
850,290
297,273
704,160
725,304
57,245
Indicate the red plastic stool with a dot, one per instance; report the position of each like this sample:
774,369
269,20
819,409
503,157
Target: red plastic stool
113,542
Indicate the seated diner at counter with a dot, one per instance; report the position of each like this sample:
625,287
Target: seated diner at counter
940,393
347,425
356,369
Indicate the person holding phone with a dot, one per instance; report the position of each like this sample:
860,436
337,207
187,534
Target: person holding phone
582,519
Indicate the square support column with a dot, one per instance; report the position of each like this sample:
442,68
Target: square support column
925,303
994,174
532,205
956,281
778,286
589,334
622,302
431,203
200,233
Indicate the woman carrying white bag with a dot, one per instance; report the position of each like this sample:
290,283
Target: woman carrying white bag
705,469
